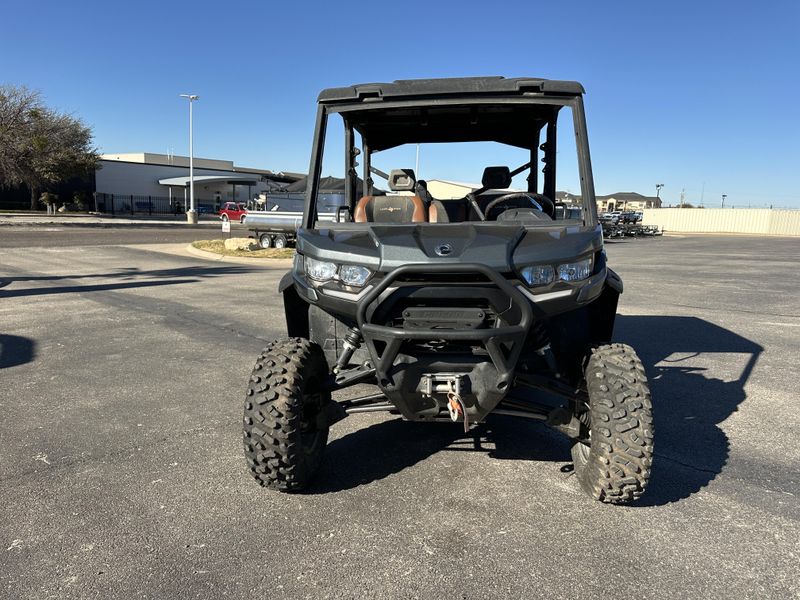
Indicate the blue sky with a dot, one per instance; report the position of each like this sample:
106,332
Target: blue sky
695,95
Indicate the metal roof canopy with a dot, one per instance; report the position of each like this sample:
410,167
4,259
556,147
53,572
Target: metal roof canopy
467,109
231,179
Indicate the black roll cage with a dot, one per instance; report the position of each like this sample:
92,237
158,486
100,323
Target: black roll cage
548,148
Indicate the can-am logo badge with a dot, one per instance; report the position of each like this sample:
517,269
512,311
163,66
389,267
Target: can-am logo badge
443,249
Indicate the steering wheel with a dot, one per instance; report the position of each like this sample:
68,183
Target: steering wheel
532,197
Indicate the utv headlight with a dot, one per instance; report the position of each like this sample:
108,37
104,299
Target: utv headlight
538,274
320,270
323,270
575,271
354,275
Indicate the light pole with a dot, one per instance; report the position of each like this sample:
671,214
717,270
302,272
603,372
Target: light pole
723,199
658,191
191,215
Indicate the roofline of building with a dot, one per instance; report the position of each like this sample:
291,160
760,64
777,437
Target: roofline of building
236,170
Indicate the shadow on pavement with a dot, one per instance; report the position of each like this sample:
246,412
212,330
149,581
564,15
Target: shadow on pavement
386,448
689,403
71,289
133,272
122,279
15,350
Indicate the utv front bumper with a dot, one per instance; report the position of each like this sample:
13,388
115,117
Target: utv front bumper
403,380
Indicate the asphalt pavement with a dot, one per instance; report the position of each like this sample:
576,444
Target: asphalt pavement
123,370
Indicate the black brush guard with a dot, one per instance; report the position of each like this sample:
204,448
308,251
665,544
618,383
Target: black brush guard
503,343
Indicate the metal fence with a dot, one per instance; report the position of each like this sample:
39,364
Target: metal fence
128,204
755,221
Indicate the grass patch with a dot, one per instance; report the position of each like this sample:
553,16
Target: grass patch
218,247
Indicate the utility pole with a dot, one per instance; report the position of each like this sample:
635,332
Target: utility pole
191,214
658,194
683,195
723,199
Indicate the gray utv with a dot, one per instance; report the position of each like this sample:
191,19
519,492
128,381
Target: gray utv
497,300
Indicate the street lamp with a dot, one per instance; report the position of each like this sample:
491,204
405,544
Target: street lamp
658,190
191,215
723,199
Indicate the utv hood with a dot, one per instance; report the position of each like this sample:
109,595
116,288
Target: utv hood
500,247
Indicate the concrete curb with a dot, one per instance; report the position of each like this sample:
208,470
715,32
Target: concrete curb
242,260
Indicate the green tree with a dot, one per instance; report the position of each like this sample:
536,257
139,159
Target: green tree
40,146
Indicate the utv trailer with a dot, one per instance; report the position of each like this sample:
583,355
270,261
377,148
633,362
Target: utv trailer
452,309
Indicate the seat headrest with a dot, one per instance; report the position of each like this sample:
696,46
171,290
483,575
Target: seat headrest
496,178
402,180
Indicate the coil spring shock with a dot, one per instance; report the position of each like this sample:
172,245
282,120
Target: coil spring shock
351,343
538,336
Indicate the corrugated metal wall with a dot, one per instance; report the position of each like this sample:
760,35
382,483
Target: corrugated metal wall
756,221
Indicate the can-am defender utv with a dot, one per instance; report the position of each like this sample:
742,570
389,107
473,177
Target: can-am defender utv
453,308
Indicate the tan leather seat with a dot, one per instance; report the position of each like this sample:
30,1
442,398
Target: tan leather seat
390,209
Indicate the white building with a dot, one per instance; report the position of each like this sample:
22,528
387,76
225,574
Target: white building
164,179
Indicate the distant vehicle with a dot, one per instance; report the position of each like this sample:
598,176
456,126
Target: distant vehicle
233,211
276,226
609,218
568,212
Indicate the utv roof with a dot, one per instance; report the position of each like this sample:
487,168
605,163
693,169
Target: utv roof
460,87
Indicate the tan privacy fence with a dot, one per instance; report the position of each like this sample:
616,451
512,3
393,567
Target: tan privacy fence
763,221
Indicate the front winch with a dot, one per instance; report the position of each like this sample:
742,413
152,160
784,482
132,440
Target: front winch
451,385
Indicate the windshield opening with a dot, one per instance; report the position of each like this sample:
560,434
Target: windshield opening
504,164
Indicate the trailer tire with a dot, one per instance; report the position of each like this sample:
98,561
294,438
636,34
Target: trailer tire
283,437
265,240
615,466
280,241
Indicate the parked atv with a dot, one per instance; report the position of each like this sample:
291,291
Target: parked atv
452,308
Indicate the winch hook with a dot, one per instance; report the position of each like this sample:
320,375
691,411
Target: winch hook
456,408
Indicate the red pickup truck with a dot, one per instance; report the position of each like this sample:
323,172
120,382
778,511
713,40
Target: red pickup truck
233,211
